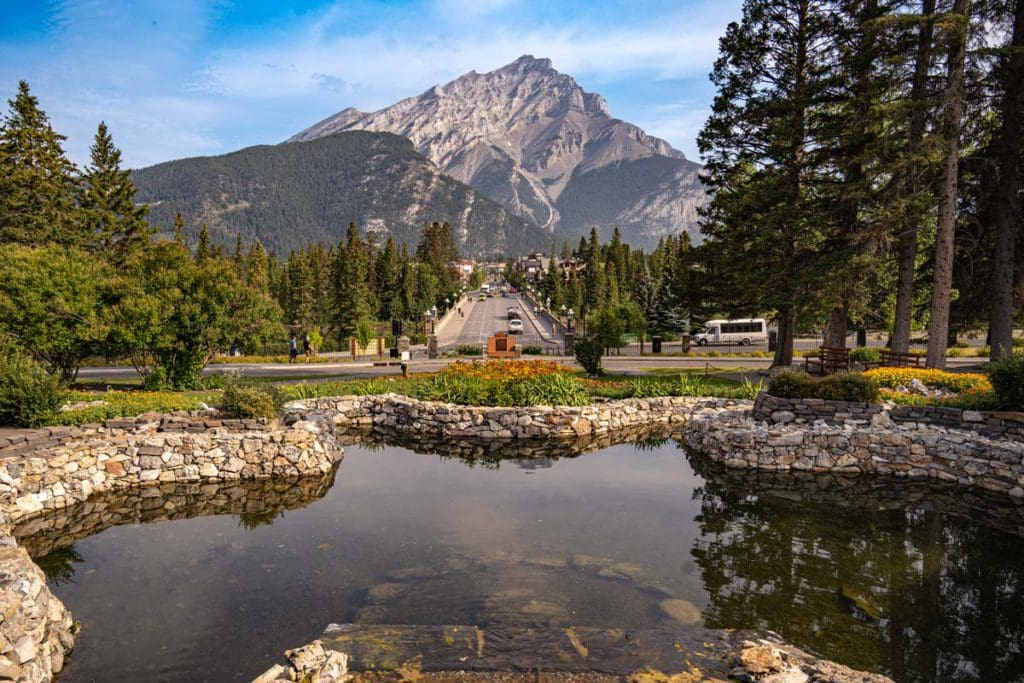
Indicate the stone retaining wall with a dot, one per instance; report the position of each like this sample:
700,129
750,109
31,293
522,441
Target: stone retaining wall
134,453
46,470
881,446
1001,425
404,415
36,630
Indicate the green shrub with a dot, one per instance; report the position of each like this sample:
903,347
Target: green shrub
532,350
588,352
29,396
865,354
846,386
216,381
129,403
646,387
468,350
1007,375
749,389
1018,342
556,389
251,399
791,384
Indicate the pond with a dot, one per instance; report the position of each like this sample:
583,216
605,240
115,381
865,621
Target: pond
918,582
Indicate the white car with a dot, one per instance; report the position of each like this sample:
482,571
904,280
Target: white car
515,326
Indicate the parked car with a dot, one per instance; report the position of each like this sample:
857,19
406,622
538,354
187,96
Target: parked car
515,326
482,297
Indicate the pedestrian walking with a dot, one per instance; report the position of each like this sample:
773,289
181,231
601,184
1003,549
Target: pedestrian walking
307,348
293,349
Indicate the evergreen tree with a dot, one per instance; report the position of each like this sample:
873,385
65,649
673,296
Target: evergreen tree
203,248
553,286
957,24
389,279
37,199
351,293
1007,203
437,248
645,293
179,229
911,194
761,143
112,222
408,286
255,268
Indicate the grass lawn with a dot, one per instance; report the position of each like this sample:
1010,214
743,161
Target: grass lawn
130,403
128,400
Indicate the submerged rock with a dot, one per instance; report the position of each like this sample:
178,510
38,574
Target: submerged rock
683,611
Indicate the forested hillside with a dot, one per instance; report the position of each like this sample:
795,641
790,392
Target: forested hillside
297,193
647,196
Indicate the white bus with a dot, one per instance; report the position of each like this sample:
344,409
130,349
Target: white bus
744,332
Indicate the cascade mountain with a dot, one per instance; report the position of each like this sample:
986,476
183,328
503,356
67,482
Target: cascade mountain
290,194
532,139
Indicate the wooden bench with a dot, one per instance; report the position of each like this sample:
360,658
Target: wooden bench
829,360
892,359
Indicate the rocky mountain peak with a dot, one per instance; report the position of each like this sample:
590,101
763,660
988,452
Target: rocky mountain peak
529,63
520,134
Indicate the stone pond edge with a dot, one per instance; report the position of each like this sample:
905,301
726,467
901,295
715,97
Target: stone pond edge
44,470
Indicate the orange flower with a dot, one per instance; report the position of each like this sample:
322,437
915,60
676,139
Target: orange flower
496,369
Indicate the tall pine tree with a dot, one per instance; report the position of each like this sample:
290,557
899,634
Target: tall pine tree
37,186
113,223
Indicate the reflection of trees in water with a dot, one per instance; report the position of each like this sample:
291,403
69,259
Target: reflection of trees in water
914,591
59,565
257,518
489,453
650,444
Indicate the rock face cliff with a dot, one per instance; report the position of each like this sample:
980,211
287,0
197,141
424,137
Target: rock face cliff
532,139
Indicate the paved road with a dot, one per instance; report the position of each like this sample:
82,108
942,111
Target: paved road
483,319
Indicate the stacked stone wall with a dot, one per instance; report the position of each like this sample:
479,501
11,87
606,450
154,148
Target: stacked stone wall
1000,425
881,446
401,414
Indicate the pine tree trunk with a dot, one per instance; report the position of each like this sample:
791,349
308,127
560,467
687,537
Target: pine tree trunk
784,350
907,255
836,327
1006,211
942,283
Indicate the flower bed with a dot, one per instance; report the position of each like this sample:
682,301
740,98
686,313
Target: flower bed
505,369
890,378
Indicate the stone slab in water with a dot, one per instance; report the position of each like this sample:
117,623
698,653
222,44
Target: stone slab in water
437,648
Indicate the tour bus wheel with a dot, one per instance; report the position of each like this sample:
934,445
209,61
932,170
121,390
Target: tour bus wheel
745,342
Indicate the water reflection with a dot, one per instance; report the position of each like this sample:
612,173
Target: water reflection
50,538
491,453
914,580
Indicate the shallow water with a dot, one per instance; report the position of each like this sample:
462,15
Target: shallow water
920,583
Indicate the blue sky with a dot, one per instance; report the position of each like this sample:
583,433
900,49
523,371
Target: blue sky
182,78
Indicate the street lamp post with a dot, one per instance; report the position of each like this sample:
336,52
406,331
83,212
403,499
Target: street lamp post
571,328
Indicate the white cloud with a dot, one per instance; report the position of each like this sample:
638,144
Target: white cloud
391,64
